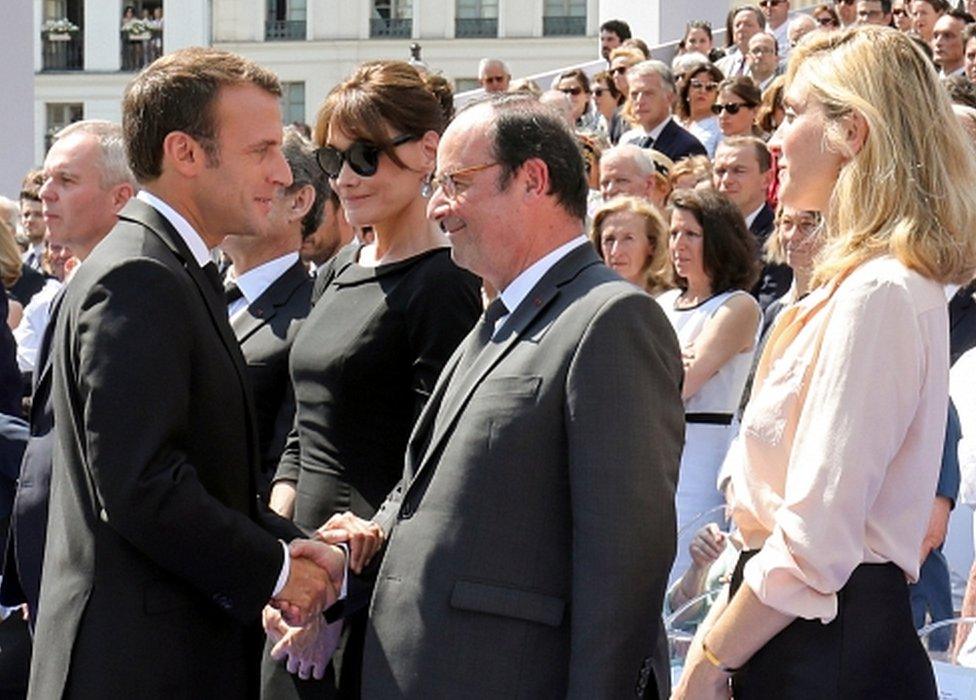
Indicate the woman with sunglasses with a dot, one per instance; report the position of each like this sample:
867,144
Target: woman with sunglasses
385,319
826,17
834,471
608,100
694,107
576,86
736,107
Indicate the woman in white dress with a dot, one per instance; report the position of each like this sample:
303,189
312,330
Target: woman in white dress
717,322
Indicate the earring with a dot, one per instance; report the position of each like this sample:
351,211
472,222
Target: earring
427,186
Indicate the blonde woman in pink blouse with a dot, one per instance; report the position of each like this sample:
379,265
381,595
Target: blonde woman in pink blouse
835,468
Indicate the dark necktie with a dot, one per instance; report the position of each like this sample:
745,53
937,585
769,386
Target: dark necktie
232,293
646,142
210,272
481,335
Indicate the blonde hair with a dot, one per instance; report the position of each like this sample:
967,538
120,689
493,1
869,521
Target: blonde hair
10,263
657,269
698,166
908,191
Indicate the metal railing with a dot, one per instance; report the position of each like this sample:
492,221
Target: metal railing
563,26
284,30
62,51
380,28
477,27
139,50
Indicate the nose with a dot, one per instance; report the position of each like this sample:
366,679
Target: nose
438,207
280,173
46,192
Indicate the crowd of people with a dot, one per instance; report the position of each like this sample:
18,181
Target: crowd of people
409,403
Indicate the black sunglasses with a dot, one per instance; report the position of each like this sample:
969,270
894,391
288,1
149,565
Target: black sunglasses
574,91
362,157
731,107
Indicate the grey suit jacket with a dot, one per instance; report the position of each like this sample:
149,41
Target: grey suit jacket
266,330
531,539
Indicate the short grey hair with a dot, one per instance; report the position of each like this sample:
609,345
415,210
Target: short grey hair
653,67
486,63
305,170
635,154
114,165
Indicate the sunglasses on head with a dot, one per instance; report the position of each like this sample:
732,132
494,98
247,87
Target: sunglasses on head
363,157
731,107
574,91
825,21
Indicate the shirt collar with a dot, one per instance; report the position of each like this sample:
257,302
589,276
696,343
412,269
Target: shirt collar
189,235
753,215
256,281
655,133
519,288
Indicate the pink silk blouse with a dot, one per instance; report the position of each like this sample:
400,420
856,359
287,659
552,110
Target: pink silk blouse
838,455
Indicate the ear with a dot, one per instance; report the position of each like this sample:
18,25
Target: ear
429,149
855,132
301,202
121,194
183,153
535,176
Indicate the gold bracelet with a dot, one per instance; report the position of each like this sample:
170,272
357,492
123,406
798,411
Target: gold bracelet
714,660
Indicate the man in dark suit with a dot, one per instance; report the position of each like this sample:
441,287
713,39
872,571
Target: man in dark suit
530,541
652,93
269,292
86,183
159,557
742,172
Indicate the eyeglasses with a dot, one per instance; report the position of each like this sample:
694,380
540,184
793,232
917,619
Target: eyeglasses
770,3
494,79
760,51
699,85
363,157
899,12
574,91
731,107
447,183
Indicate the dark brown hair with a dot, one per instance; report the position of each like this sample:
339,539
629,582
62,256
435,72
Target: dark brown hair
178,92
729,254
604,78
377,96
30,186
683,105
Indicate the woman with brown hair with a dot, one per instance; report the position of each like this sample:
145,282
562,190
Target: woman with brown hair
736,107
694,107
575,85
385,319
608,100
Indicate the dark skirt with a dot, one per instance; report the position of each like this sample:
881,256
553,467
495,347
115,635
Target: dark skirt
870,650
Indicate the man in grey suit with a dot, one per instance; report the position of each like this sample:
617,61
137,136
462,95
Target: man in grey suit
528,546
268,292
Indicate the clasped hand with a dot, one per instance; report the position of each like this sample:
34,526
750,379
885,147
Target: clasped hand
314,580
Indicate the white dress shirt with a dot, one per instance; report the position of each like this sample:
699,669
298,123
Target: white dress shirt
30,330
636,134
256,281
200,253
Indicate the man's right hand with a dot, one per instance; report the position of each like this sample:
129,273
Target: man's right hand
315,577
363,537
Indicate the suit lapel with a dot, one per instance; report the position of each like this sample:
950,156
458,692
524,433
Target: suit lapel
457,390
44,369
266,306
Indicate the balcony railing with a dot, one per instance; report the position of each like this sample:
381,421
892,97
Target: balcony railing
564,26
380,28
63,51
139,50
284,30
478,27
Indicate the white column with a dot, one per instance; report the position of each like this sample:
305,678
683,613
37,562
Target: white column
103,45
648,22
186,23
20,34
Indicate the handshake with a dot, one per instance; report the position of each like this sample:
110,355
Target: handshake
293,620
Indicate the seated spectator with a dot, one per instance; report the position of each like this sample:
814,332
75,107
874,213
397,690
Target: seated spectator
691,172
924,14
638,172
770,113
900,18
694,106
763,59
777,13
969,57
698,39
743,23
714,263
799,27
613,33
736,107
845,11
639,44
648,109
826,17
874,12
575,85
949,44
494,75
631,237
525,85
742,172
621,60
608,100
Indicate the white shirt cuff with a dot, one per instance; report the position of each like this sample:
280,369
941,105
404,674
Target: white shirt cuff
285,572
